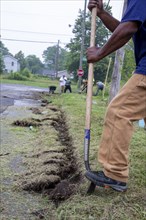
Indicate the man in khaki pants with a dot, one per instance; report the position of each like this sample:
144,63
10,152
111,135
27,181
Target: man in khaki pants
130,103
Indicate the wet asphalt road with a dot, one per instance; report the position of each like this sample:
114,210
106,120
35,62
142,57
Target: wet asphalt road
12,93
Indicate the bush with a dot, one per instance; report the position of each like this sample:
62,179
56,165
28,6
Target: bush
25,72
16,76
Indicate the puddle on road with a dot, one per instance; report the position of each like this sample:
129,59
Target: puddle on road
23,105
27,102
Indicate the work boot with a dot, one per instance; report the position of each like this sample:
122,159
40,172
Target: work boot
100,179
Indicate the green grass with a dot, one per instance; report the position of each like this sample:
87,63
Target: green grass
103,204
34,81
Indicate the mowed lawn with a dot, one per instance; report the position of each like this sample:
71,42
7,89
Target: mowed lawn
102,204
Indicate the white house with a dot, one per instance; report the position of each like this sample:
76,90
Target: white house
63,72
11,64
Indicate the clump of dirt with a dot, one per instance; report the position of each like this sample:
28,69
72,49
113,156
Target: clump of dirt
41,183
54,108
4,154
40,214
52,167
35,110
27,123
62,191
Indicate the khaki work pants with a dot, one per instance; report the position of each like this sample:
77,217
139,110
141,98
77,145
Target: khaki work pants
128,106
62,89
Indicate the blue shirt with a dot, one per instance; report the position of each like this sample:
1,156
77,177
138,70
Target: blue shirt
136,11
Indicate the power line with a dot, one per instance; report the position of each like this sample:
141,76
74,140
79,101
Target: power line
33,32
31,41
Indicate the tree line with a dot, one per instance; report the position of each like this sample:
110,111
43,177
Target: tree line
57,58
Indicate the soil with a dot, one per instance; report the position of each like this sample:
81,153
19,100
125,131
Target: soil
54,166
38,158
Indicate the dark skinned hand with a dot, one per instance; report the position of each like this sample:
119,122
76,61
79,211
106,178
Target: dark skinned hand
93,54
96,3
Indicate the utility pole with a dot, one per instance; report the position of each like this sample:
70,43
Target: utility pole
82,45
57,58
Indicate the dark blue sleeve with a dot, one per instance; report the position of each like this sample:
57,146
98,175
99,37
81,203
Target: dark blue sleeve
136,11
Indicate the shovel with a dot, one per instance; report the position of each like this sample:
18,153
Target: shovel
89,101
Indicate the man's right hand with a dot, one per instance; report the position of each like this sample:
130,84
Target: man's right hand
96,3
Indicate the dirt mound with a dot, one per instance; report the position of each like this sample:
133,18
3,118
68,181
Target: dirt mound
52,166
62,191
26,123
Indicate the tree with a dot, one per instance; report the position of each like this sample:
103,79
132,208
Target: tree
2,66
55,57
33,63
116,75
25,72
74,46
3,51
21,59
49,57
129,61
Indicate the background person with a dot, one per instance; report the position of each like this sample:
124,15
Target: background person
67,86
100,87
62,82
84,85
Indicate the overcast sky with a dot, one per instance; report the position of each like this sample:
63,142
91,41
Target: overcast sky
48,20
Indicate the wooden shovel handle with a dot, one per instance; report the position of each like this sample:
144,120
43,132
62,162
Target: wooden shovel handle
90,72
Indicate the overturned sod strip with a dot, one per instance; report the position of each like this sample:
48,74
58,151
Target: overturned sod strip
52,166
